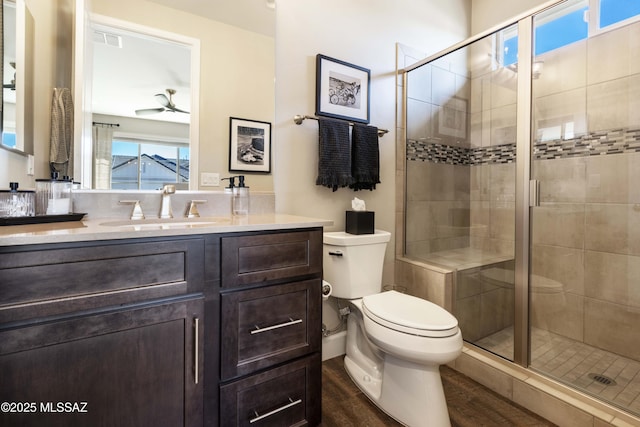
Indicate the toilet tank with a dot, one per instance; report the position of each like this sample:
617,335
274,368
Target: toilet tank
352,263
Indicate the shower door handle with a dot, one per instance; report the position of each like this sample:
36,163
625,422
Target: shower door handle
534,193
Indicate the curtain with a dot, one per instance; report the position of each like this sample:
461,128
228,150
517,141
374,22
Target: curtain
102,140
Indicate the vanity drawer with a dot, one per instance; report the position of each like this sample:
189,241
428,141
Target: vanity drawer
265,326
68,277
265,257
284,396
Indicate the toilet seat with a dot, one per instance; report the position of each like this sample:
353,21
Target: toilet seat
408,314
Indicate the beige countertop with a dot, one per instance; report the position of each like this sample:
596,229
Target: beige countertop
118,228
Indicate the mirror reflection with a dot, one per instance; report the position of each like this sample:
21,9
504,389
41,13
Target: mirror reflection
237,64
141,111
17,76
8,74
153,121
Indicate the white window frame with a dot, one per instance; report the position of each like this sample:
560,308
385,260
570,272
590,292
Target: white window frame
592,16
594,20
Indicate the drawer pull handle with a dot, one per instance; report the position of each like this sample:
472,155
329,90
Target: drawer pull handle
196,332
275,411
259,330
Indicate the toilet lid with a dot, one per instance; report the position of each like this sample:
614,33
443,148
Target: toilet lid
408,314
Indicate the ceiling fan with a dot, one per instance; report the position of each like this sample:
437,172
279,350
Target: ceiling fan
167,105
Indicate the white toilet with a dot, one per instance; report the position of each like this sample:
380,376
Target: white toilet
395,342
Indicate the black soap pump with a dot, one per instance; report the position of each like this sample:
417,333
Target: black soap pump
240,200
232,184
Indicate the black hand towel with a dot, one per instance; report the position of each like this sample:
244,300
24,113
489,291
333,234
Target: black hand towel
365,157
334,163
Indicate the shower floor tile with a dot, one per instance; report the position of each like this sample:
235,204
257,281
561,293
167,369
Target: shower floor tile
571,362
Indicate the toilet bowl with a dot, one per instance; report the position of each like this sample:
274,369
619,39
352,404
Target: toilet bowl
395,342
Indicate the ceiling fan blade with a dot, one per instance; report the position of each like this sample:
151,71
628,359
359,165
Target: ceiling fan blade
177,110
163,100
147,111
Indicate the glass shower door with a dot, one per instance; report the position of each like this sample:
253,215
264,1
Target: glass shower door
585,255
460,189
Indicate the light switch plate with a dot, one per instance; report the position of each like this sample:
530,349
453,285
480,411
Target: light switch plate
209,179
30,165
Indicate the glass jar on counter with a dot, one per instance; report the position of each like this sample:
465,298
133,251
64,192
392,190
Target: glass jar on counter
15,203
53,196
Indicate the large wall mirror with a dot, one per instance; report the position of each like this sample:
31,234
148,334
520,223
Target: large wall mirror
236,79
161,80
18,32
141,113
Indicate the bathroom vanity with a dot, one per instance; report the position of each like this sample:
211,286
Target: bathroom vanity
218,324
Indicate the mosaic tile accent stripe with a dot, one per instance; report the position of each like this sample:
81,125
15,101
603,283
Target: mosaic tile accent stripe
441,153
437,153
616,141
505,153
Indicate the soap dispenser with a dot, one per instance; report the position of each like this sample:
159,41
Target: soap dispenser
240,198
232,184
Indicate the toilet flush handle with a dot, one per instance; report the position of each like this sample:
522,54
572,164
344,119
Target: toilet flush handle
335,253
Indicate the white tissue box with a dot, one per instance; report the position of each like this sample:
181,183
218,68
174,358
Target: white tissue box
360,222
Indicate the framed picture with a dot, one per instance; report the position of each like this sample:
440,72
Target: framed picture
342,90
249,145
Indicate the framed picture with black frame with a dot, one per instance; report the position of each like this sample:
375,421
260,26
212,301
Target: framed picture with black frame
249,145
342,90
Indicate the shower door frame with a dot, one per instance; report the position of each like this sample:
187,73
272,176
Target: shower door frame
526,189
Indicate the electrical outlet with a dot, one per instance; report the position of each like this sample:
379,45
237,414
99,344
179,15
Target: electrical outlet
208,179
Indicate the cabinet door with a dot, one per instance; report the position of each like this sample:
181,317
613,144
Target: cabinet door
134,366
265,326
288,395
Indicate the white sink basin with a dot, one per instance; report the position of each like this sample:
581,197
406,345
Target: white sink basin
163,224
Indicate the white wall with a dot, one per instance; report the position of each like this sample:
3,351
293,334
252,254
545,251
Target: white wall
361,33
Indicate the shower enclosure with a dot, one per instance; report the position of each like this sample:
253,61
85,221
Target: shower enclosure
523,178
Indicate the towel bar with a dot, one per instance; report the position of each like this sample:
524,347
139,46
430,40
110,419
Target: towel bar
298,119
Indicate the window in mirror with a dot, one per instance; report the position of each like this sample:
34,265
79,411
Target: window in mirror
147,165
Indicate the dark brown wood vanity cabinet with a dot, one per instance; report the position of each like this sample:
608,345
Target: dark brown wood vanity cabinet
213,330
102,333
270,328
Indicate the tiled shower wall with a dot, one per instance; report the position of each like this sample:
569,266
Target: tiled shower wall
461,185
586,233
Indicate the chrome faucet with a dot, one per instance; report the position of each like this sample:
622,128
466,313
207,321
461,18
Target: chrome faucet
165,207
137,209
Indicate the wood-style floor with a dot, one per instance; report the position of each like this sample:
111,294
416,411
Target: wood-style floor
470,403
